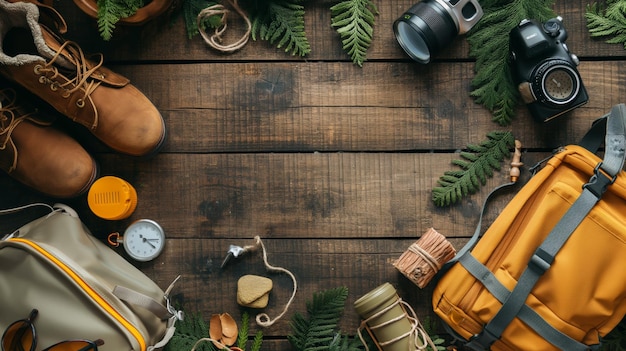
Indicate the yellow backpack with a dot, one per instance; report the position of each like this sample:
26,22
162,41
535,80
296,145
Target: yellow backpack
550,272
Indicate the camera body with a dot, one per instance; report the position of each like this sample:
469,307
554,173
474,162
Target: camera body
544,69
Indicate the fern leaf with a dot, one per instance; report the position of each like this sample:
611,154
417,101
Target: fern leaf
257,342
346,343
492,85
107,18
191,9
469,156
242,337
354,20
111,11
281,23
608,21
318,331
188,331
476,166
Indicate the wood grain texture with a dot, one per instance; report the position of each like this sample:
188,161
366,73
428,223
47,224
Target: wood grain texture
323,264
166,39
331,164
386,106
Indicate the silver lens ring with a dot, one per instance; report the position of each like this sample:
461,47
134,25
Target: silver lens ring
558,83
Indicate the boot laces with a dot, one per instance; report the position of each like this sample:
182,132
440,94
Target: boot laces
9,120
81,79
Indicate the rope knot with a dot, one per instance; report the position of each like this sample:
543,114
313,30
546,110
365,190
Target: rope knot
215,40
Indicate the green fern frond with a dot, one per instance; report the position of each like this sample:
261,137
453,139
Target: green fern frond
608,20
242,337
111,11
281,22
318,331
191,9
492,85
354,20
257,342
193,328
476,165
188,331
345,343
429,327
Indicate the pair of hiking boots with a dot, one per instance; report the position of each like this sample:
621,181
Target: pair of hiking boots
35,57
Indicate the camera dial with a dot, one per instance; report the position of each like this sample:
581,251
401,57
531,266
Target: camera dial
553,26
544,69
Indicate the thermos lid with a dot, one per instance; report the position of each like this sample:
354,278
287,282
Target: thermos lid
112,198
381,296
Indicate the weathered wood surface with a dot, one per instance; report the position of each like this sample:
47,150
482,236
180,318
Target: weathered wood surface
168,41
331,164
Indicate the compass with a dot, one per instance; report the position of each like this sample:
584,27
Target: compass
143,240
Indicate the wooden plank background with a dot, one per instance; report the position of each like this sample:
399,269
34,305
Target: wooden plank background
331,164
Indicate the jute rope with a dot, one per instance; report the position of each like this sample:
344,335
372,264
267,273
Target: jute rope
263,319
215,40
430,260
425,257
219,344
417,331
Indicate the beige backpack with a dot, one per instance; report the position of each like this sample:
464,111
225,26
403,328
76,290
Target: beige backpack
81,288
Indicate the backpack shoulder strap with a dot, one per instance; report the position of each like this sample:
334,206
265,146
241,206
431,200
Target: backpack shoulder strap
604,175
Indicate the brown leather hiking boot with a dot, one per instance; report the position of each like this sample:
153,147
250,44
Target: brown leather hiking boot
40,156
58,72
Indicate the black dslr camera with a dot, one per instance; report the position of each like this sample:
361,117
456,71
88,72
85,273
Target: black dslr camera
544,68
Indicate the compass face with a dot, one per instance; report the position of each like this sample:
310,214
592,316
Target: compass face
560,85
144,240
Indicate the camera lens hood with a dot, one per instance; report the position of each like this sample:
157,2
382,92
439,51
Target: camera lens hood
430,25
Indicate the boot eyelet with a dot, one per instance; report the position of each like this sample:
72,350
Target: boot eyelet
66,93
37,69
54,86
80,103
42,80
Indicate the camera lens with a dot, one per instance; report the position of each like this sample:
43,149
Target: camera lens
430,25
559,82
424,29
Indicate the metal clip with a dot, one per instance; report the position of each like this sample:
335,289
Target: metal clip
11,235
233,252
534,169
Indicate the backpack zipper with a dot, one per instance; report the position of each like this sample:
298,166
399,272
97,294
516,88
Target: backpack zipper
87,289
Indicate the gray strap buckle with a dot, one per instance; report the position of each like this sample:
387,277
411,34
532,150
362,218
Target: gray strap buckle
599,181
